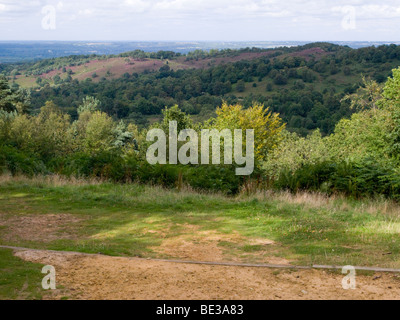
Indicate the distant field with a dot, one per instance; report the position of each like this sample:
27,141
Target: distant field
114,68
111,69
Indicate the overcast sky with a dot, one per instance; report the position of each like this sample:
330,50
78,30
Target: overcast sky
181,20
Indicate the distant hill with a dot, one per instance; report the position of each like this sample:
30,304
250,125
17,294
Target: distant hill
81,67
25,51
305,84
12,52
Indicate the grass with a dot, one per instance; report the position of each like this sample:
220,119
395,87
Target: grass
133,220
19,279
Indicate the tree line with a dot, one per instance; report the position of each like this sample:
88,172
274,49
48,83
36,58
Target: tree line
307,91
360,158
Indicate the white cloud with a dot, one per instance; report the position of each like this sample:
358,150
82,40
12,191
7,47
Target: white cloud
137,5
205,19
374,11
86,12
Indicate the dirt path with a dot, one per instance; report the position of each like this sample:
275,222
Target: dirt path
101,277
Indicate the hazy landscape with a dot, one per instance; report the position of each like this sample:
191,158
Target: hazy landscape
19,51
120,160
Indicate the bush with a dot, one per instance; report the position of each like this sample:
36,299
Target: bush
17,162
213,178
105,165
364,178
163,175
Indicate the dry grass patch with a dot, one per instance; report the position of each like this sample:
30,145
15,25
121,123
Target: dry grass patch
213,246
41,228
49,180
378,207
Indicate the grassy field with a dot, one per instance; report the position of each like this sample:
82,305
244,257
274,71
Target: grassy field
136,220
151,222
19,279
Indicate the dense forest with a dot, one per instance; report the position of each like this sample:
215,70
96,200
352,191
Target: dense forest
306,85
358,156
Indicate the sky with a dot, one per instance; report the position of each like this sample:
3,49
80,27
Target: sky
200,20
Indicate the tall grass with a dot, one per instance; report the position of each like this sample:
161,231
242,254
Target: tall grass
53,180
152,192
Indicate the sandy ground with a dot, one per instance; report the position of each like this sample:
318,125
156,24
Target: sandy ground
101,277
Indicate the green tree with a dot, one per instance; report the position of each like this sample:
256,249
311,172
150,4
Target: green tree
175,114
367,96
99,133
267,126
295,152
240,86
49,131
280,79
391,103
13,100
89,104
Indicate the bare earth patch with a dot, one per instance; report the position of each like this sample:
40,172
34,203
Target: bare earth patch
43,228
101,277
189,250
194,245
205,246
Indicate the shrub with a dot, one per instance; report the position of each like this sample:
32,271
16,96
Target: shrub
213,178
17,162
105,165
367,177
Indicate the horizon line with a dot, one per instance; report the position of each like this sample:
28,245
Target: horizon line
233,41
